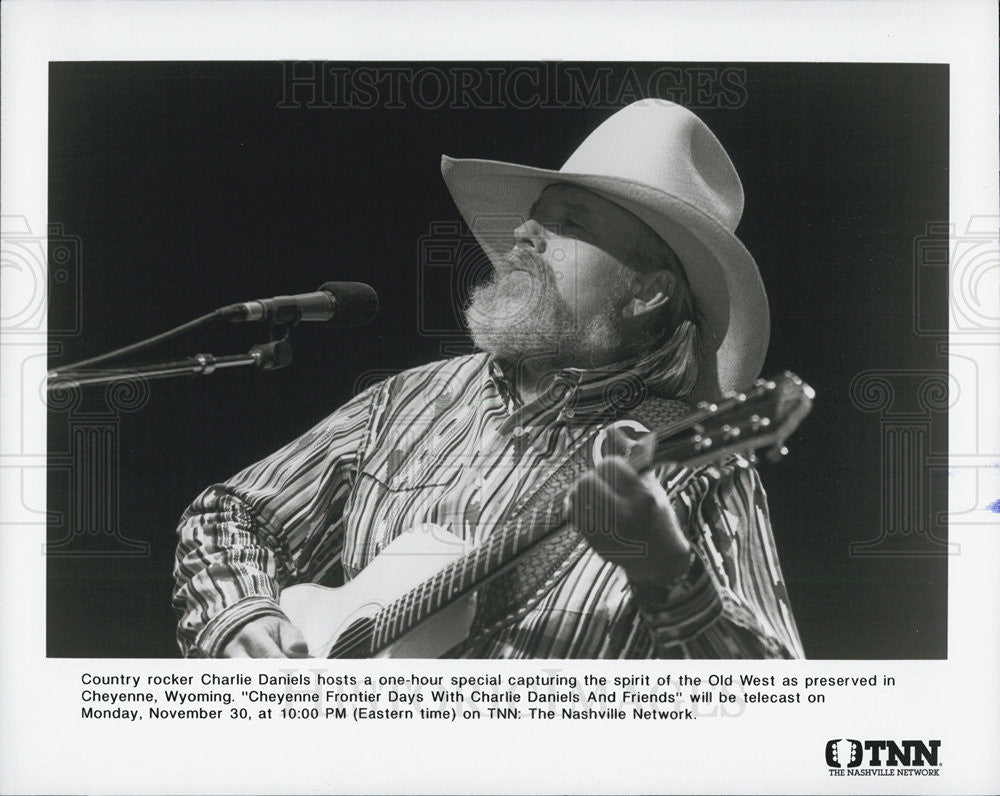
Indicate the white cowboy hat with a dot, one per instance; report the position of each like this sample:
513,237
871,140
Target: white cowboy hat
659,161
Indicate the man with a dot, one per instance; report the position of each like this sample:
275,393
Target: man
620,295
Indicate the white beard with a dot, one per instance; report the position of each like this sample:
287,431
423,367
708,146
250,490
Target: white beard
519,314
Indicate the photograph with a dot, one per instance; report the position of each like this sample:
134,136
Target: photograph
745,220
508,397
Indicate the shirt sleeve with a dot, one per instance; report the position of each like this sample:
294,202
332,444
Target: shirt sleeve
733,602
280,521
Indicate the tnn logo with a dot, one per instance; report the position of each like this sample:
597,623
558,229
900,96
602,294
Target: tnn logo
850,753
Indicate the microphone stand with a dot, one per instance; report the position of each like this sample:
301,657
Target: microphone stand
266,356
269,356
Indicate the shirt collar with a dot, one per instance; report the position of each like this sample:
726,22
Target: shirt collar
576,394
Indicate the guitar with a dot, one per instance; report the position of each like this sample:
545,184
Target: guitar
417,599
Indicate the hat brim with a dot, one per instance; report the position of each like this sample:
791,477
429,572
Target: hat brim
495,197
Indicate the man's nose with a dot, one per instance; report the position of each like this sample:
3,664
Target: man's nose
530,235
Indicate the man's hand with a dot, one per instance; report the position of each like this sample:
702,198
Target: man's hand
267,637
628,520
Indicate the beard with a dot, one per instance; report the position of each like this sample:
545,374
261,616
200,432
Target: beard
520,314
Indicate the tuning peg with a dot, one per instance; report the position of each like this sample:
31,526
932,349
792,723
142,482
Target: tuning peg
702,443
777,454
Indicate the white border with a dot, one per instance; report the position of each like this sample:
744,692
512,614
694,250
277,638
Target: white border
43,747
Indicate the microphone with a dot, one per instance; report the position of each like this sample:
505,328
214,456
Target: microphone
345,303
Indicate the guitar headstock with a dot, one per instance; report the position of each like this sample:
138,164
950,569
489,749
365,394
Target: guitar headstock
763,416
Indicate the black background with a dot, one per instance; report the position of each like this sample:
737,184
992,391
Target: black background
180,187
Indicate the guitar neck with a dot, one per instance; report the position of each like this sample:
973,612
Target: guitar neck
761,417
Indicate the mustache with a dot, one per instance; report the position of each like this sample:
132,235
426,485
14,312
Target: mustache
523,260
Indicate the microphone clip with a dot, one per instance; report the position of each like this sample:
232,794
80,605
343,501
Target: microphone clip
278,352
283,323
273,355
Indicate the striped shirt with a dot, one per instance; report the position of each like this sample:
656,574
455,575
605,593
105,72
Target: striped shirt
450,443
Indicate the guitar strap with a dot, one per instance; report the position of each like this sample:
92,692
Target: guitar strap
508,598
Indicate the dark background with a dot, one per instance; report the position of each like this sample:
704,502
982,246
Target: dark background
175,188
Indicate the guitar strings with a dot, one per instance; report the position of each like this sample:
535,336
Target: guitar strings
455,573
396,610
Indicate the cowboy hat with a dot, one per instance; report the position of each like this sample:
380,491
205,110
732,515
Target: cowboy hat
660,162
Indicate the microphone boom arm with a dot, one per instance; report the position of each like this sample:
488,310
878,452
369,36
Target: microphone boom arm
267,356
346,303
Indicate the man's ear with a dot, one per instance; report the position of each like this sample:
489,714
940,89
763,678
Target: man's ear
656,290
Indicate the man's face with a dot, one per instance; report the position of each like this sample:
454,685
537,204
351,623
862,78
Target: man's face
562,290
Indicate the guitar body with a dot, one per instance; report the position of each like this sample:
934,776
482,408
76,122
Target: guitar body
328,617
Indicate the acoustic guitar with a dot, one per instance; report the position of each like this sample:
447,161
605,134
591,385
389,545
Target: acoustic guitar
417,598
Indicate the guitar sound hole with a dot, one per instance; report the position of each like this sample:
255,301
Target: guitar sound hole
355,641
